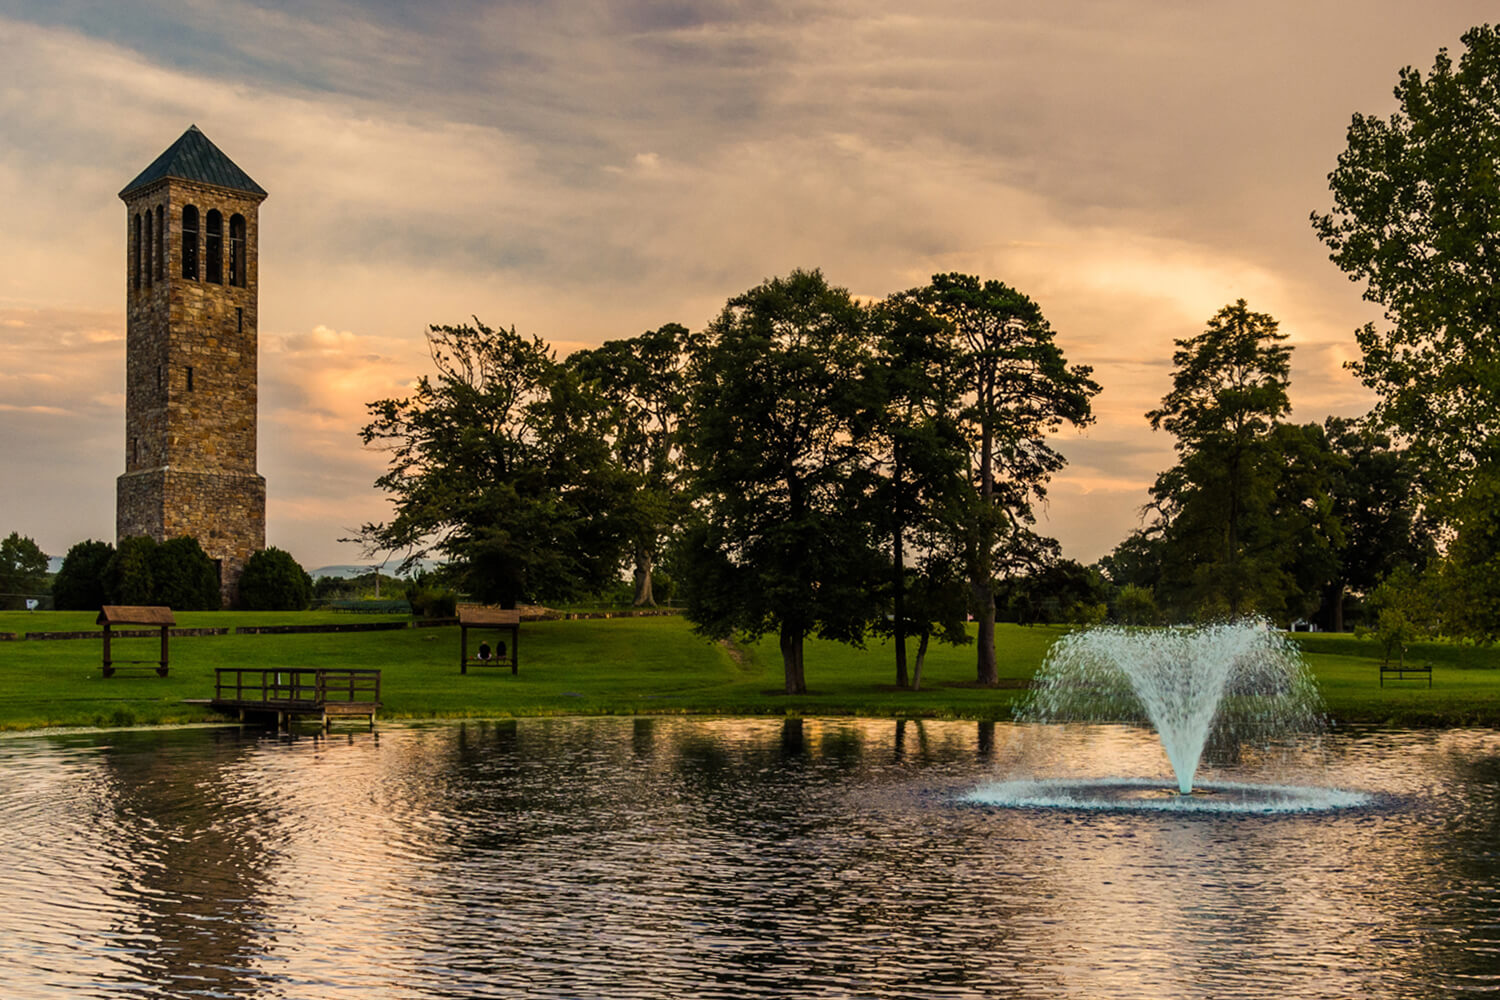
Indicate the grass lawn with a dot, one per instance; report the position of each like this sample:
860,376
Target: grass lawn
632,666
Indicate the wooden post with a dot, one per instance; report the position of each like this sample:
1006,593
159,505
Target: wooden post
162,670
515,649
108,670
463,649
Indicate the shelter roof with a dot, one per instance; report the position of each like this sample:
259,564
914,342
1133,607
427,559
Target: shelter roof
128,614
476,614
194,158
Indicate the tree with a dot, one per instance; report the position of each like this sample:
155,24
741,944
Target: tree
273,581
81,584
1019,391
1404,612
23,570
1467,580
1416,216
1137,560
920,458
774,454
1229,390
183,577
496,462
642,381
1378,493
1136,605
1062,590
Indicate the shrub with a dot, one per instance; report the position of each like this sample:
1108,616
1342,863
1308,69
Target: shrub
274,581
81,584
186,579
1137,605
127,575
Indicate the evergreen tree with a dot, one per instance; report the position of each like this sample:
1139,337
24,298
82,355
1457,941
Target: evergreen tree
1229,390
183,577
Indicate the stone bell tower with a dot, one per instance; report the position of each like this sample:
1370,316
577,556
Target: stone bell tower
190,357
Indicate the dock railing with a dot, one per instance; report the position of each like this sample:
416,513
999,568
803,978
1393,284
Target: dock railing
298,691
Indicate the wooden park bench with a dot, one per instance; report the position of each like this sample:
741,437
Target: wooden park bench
497,619
325,692
1399,670
119,614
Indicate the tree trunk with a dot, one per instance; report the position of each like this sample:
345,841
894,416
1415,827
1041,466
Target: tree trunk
899,579
791,659
643,566
982,580
916,674
1339,590
984,597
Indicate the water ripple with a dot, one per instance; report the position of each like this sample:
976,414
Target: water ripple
727,858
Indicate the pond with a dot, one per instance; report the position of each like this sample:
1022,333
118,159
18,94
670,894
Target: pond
727,858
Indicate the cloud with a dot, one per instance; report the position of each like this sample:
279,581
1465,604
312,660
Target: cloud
587,171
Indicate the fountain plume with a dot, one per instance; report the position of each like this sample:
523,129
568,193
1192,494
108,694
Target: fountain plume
1226,686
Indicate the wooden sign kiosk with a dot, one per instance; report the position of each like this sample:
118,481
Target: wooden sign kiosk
114,614
497,619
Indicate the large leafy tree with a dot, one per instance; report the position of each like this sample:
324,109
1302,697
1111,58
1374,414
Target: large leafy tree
775,454
1416,216
1019,390
497,464
23,569
920,500
642,383
1229,391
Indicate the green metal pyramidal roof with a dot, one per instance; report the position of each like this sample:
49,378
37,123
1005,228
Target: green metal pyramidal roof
194,158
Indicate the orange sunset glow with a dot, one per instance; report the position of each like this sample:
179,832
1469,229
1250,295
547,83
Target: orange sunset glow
588,171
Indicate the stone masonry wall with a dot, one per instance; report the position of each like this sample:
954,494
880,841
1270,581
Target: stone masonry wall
191,382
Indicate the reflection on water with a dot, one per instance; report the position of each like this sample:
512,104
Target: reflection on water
671,858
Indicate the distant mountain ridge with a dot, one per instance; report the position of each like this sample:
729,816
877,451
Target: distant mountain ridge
346,571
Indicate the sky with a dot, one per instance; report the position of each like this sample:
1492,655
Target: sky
592,169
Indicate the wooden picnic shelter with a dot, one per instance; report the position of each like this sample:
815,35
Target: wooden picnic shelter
493,619
123,614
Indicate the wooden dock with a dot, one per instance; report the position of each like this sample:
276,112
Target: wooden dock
326,693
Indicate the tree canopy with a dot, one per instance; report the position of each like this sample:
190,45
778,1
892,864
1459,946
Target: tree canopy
774,455
1019,390
1416,216
920,497
81,583
1224,550
23,570
641,382
496,463
176,573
